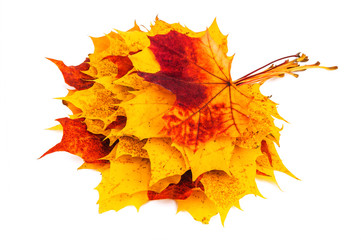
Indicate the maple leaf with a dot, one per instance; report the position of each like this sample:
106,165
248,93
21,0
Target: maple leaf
144,112
208,102
214,155
124,65
126,145
74,76
78,141
197,71
159,116
198,205
123,183
165,160
111,52
128,175
270,161
182,190
95,102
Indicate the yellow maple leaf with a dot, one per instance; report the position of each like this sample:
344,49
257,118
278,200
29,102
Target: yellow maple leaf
213,155
130,146
110,200
243,167
124,183
165,160
95,103
145,111
199,206
223,190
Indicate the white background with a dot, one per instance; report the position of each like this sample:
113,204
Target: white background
50,199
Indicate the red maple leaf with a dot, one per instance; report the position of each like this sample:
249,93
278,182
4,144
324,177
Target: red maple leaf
74,76
78,141
208,102
197,71
182,190
123,64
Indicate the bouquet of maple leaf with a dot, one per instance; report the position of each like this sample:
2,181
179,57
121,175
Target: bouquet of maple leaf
158,114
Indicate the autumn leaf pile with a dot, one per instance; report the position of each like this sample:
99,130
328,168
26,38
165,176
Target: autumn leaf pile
157,113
